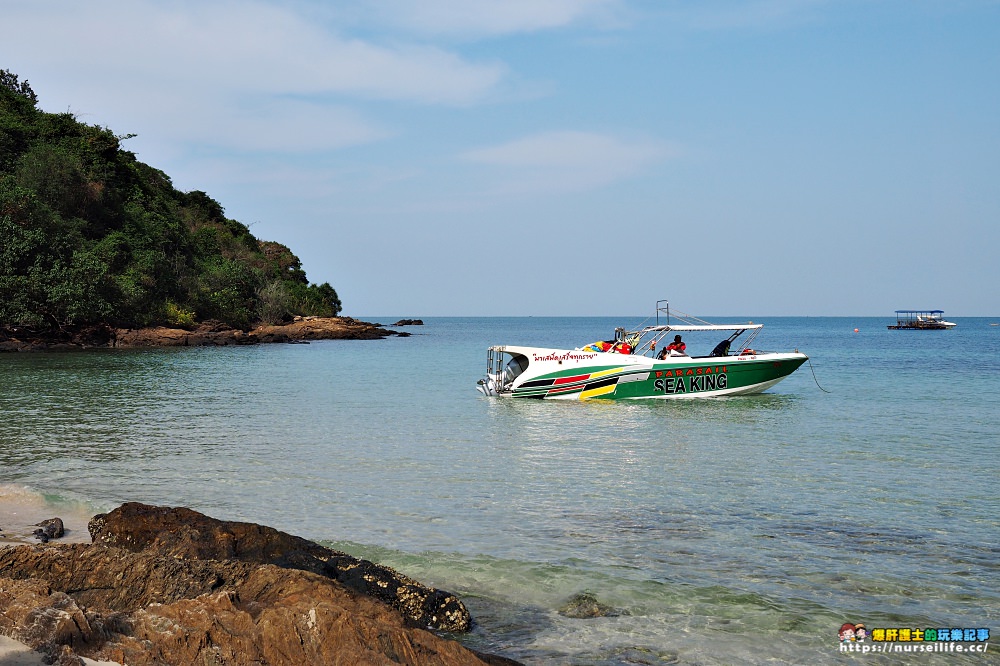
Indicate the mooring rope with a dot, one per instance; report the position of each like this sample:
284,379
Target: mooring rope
814,377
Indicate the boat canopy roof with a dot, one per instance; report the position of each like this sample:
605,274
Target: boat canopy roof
702,327
688,323
939,312
659,332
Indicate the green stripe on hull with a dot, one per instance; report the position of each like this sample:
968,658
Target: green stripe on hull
705,378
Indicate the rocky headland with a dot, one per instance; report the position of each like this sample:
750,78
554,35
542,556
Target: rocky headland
161,585
208,333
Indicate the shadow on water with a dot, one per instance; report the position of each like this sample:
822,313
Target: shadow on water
726,407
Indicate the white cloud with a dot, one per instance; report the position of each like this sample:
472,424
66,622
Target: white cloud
569,160
254,46
229,73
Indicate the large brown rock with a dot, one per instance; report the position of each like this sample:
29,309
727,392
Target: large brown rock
73,598
172,586
324,328
207,333
184,533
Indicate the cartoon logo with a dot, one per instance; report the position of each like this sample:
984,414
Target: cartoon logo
852,633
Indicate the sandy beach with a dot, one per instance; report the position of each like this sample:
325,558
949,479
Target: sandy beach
13,653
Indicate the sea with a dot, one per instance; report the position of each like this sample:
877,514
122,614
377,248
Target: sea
746,530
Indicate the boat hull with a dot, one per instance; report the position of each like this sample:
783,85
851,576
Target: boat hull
577,375
923,326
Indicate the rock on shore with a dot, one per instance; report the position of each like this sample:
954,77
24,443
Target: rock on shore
323,328
166,585
208,333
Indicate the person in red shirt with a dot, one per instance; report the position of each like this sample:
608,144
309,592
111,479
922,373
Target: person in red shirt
676,346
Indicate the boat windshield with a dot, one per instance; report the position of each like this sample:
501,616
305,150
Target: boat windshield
515,366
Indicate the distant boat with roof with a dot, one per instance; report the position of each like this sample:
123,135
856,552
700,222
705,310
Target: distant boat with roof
921,320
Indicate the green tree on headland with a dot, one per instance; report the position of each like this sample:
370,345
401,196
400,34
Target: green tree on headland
90,235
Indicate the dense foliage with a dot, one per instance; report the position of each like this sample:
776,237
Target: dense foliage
88,235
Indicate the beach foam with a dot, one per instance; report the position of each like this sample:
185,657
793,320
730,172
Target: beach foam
21,509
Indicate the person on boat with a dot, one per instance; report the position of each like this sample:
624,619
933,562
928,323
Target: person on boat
677,346
663,353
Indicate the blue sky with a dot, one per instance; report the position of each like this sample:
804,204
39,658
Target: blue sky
566,157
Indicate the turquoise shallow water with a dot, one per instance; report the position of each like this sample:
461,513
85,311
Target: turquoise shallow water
741,530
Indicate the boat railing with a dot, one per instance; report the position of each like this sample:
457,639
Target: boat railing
664,309
494,366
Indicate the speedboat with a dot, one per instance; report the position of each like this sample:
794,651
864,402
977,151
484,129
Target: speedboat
633,365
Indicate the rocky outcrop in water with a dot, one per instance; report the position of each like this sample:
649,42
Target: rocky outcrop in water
172,586
206,334
21,339
586,605
324,328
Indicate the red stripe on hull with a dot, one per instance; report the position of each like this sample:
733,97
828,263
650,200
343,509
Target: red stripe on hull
570,380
